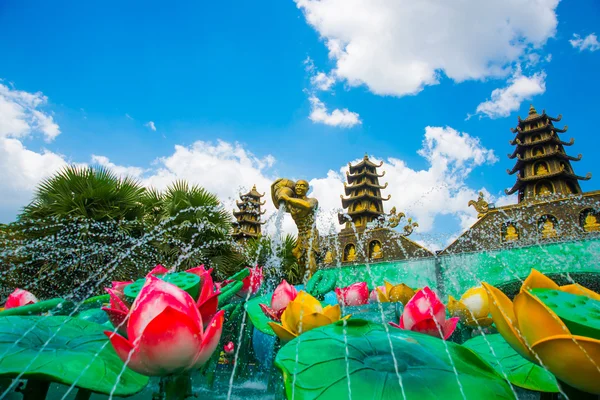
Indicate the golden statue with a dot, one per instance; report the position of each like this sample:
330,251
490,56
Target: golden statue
394,218
591,223
302,209
409,227
541,169
548,230
328,257
351,256
376,250
480,205
544,190
511,233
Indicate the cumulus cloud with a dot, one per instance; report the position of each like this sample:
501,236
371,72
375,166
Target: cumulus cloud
342,118
20,114
150,124
590,42
322,81
133,172
397,47
508,99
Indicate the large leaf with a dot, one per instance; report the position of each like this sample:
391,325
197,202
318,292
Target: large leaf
519,371
257,316
337,362
77,353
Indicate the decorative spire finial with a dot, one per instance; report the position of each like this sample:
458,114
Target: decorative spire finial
532,110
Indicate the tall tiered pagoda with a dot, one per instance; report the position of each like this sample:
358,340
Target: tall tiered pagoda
543,168
551,205
248,223
364,203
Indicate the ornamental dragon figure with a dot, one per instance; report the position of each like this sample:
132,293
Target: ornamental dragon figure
302,209
480,205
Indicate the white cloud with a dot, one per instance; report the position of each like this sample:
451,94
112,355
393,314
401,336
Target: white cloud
134,172
21,170
342,118
508,99
322,81
590,42
150,124
396,47
20,115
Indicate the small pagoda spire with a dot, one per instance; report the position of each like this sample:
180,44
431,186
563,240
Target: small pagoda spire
248,222
364,202
543,168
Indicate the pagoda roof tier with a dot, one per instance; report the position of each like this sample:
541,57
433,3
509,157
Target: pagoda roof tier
556,153
533,116
355,177
365,162
347,201
237,233
253,193
253,202
549,139
342,217
249,221
548,125
357,186
559,174
248,212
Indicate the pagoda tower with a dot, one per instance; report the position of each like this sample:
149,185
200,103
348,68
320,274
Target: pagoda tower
248,223
543,168
364,203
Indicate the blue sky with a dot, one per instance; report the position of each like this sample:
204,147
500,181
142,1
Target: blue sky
237,71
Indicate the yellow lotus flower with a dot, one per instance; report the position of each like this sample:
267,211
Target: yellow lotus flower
538,334
303,314
473,307
395,293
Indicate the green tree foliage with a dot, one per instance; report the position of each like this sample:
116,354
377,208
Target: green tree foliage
276,257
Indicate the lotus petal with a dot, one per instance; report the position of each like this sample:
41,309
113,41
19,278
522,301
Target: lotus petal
537,280
579,290
535,320
18,298
210,339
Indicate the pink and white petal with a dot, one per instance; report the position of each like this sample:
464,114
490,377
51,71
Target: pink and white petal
211,338
283,294
395,325
154,297
428,327
199,270
158,270
171,342
117,318
119,286
206,288
449,327
19,298
424,305
115,301
269,312
209,307
129,355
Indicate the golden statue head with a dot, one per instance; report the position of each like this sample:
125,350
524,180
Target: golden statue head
301,188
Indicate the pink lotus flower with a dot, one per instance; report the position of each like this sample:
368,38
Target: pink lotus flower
425,313
373,297
19,298
353,295
252,282
165,331
283,294
207,302
228,348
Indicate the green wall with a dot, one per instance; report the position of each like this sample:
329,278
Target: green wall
454,274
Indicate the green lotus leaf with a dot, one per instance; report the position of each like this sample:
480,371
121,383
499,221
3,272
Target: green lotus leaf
355,361
94,315
257,316
519,371
77,353
579,313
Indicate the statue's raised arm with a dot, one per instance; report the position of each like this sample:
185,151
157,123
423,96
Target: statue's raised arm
303,210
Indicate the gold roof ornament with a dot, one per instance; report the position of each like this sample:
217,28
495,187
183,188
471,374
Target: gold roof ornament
409,227
481,206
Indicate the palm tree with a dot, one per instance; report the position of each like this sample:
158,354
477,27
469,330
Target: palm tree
195,229
84,192
277,258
